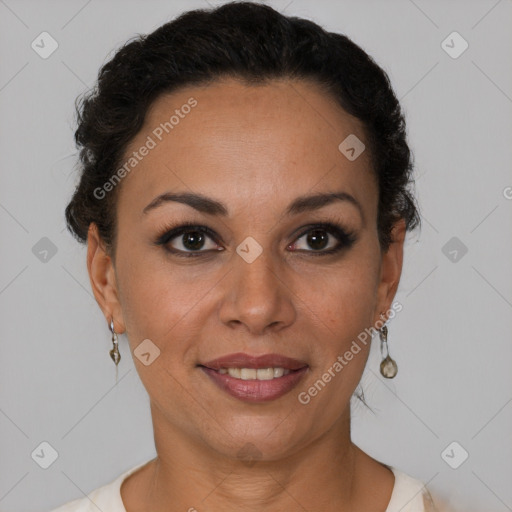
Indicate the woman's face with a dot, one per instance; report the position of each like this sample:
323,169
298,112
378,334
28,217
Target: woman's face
256,277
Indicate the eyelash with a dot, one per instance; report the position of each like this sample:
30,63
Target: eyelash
345,238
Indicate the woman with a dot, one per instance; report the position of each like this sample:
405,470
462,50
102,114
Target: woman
244,196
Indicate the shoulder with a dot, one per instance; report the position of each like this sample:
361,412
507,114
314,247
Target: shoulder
409,495
107,497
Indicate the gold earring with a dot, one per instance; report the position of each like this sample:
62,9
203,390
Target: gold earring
388,366
114,352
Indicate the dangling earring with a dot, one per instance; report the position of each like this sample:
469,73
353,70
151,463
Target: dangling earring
388,366
114,352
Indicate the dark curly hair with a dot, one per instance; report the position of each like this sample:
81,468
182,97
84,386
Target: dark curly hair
254,43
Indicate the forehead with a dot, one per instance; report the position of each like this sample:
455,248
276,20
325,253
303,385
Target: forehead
245,144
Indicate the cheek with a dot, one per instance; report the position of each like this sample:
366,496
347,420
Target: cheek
347,313
344,298
343,308
155,294
157,306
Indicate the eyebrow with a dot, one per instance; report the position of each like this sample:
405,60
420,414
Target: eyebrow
211,206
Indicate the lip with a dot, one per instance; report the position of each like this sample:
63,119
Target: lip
256,390
241,360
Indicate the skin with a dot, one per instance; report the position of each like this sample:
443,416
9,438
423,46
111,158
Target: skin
256,149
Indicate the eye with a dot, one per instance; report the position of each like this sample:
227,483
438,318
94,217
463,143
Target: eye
325,238
188,239
191,240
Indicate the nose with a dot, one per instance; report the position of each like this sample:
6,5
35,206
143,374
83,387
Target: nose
257,296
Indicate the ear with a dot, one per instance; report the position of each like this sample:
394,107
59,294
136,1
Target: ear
103,279
391,270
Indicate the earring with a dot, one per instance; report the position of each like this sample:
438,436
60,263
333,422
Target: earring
114,352
388,366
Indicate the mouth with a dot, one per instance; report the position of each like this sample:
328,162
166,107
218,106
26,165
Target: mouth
255,378
254,374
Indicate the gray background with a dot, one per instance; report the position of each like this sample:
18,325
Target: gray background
452,340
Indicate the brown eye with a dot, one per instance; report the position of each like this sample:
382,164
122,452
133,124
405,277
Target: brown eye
191,241
317,239
324,239
186,240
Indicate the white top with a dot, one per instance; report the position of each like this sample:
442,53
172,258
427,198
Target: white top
409,495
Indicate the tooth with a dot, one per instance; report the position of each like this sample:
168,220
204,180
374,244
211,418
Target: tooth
247,373
254,374
234,372
265,374
278,372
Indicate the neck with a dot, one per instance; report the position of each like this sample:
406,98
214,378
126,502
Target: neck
189,475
